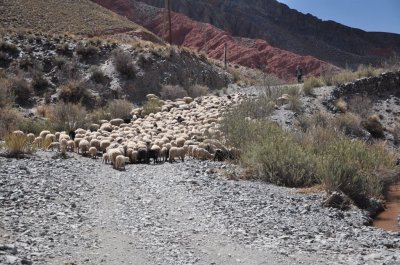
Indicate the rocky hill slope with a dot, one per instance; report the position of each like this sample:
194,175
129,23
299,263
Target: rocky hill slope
60,16
203,37
289,29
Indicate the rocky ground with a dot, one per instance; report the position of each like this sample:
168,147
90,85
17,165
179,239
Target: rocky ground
78,210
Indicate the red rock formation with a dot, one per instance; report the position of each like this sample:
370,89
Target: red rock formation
203,37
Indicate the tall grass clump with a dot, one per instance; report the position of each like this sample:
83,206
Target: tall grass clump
17,145
311,83
152,106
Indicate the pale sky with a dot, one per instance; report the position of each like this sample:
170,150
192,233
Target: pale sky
368,15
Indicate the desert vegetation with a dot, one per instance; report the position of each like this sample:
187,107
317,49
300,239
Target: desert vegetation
326,150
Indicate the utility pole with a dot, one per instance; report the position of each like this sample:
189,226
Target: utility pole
225,56
168,19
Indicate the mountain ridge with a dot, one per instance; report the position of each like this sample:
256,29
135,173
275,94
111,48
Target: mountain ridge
291,30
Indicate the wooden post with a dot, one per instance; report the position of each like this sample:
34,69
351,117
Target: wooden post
225,56
168,9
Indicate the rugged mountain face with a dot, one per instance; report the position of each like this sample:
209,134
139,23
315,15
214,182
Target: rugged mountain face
289,29
81,17
203,37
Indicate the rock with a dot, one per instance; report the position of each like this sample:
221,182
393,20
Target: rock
11,259
337,200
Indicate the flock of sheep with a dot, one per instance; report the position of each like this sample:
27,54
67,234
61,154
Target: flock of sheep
185,127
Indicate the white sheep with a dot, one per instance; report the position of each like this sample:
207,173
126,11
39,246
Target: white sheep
106,158
54,145
31,137
93,152
71,145
177,152
120,162
43,134
84,146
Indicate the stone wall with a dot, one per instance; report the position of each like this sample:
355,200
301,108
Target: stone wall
380,86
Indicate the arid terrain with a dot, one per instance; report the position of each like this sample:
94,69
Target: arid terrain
119,148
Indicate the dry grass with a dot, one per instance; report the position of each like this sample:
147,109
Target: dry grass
78,17
10,119
310,83
152,106
17,145
119,108
68,117
341,105
6,96
173,92
361,105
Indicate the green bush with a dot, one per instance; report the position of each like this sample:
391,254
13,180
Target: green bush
318,154
35,126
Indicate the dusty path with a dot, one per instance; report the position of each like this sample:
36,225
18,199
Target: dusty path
78,210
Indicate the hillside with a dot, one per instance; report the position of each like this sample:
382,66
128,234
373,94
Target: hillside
203,37
290,30
60,16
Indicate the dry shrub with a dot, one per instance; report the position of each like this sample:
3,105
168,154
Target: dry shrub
349,124
361,105
44,111
98,76
374,126
197,91
35,126
124,63
173,92
9,120
99,114
9,48
39,82
317,156
294,103
152,106
21,89
87,52
77,92
119,108
341,105
311,83
17,145
6,97
68,116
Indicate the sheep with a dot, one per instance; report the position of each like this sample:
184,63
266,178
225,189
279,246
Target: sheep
104,144
63,142
203,154
154,153
180,142
116,122
54,145
18,133
93,152
95,143
113,153
43,134
134,156
221,155
120,162
31,137
177,152
71,145
37,142
83,146
142,155
50,138
164,153
106,158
